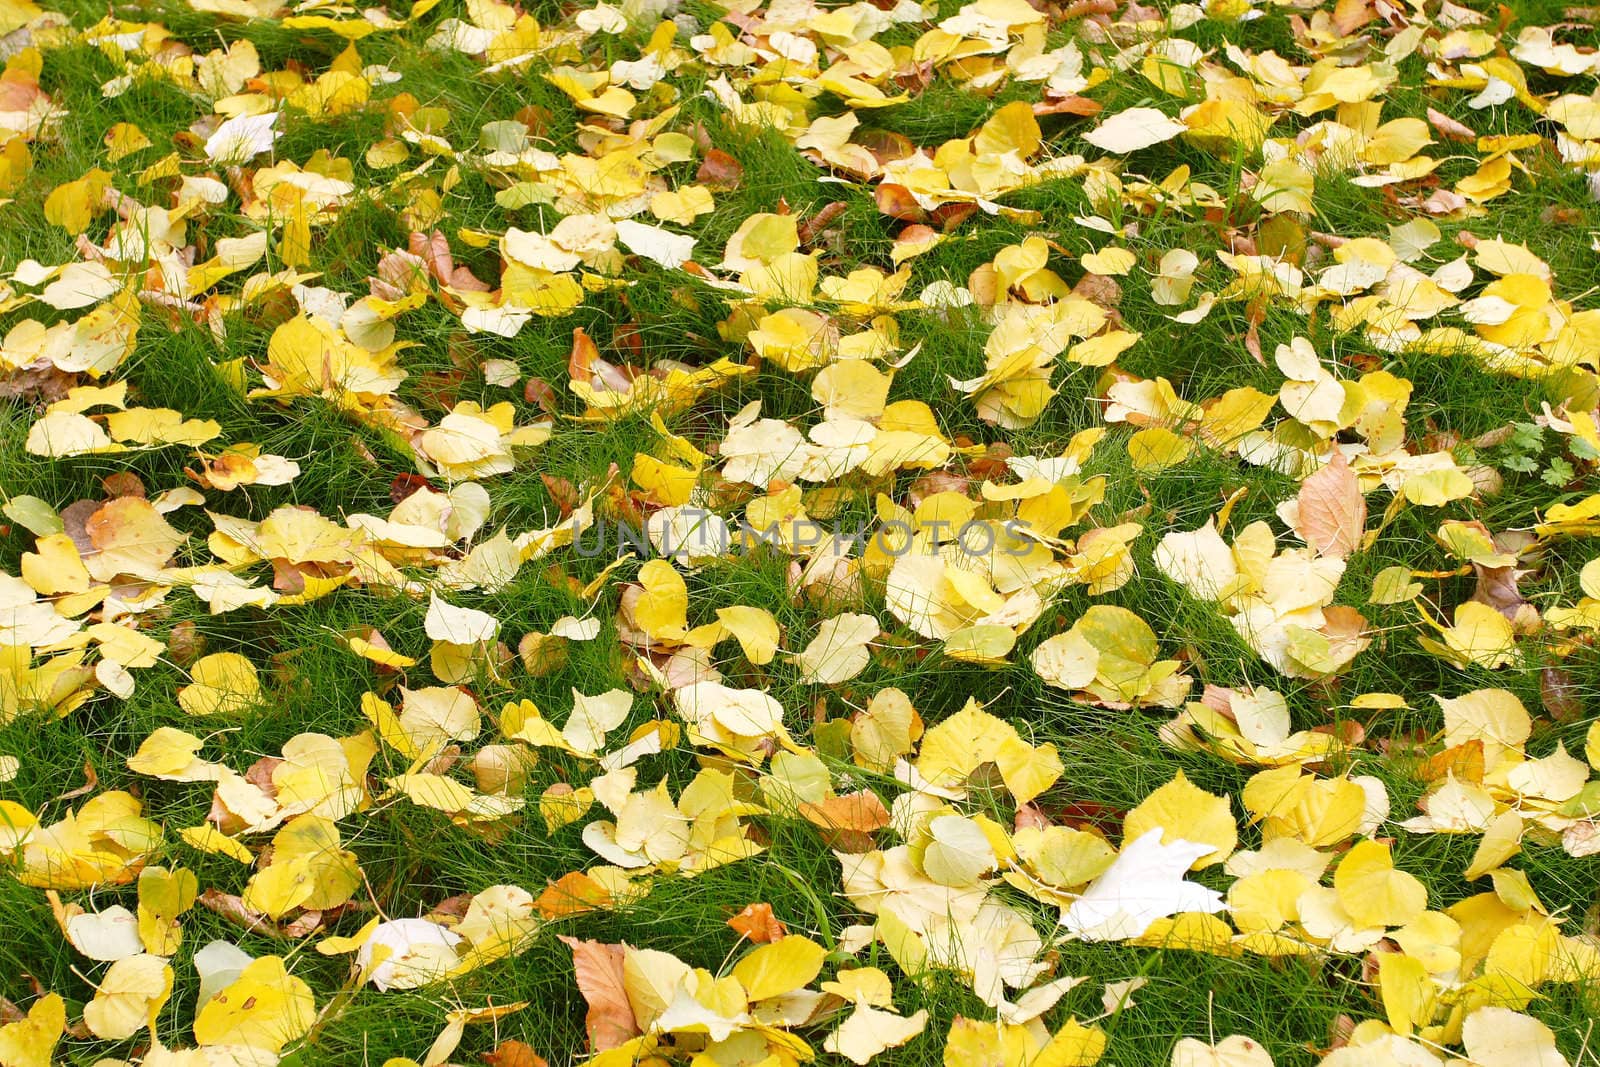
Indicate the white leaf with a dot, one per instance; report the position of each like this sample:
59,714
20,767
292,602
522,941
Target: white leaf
80,285
242,138
414,952
653,243
505,321
108,935
501,372
458,626
839,651
870,1031
1144,883
595,716
1133,129
67,433
218,964
1199,560
602,18
1234,1051
575,629
1500,1037
116,678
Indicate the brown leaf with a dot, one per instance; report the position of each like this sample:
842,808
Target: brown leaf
304,925
1031,817
1068,105
434,248
123,483
1350,15
513,1054
757,923
1560,694
538,391
1449,128
948,216
537,119
719,172
233,909
1497,587
91,781
627,337
259,774
936,482
810,228
406,484
1558,215
598,967
185,643
36,384
1257,313
451,908
1100,290
1333,513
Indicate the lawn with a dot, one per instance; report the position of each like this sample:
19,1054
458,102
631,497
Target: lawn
1007,533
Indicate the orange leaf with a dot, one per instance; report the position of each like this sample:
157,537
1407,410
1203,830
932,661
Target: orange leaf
572,894
896,202
1464,761
757,923
861,811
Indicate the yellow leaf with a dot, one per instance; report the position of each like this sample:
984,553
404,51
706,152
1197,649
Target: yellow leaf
1072,1045
1493,716
55,567
754,628
309,869
1407,992
663,611
1480,636
1011,128
221,683
31,1042
163,896
955,748
124,139
1109,261
1156,448
1373,892
666,483
129,998
1186,812
1393,585
208,838
264,1008
73,205
780,967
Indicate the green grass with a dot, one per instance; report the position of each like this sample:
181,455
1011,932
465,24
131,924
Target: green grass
414,859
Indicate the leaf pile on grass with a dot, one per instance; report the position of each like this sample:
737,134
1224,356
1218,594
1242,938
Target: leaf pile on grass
748,533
